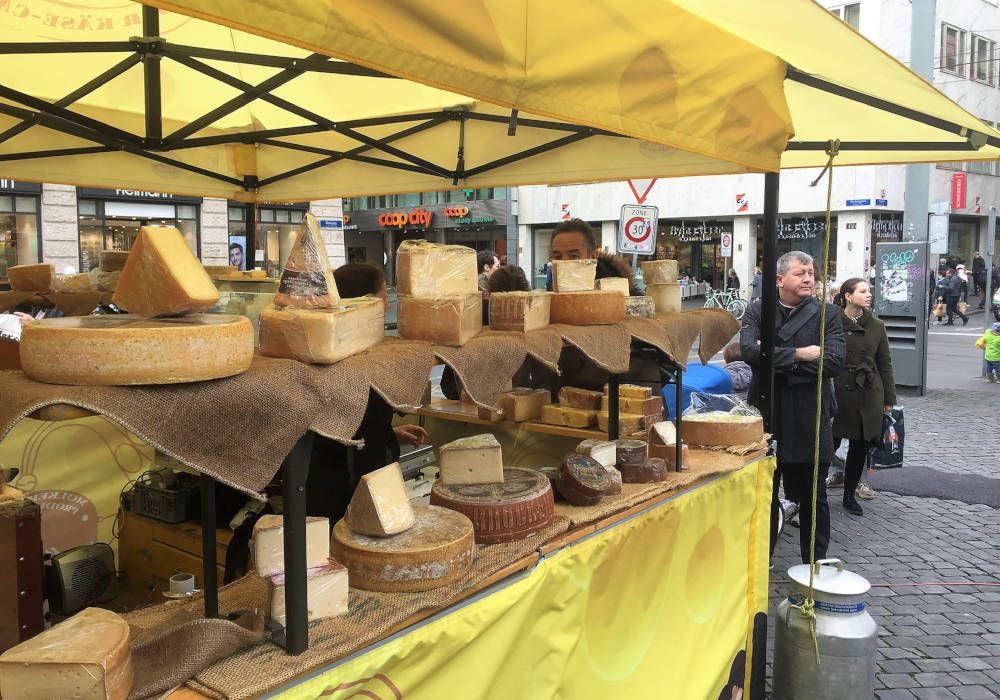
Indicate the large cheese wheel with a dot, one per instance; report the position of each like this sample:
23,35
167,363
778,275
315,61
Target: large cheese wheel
593,308
436,551
666,297
126,349
32,278
720,429
519,507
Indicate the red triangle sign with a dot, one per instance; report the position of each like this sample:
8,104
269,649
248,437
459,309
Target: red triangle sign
636,185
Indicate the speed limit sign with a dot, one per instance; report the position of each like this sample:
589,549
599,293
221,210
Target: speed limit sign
637,229
727,245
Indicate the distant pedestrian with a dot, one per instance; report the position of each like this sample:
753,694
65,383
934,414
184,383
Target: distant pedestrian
865,387
963,275
979,277
990,342
733,280
953,294
755,288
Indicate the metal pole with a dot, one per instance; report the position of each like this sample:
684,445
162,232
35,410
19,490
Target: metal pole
209,572
768,300
613,407
991,235
296,472
679,449
151,74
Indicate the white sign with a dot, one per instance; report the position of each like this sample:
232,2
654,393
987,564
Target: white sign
637,229
937,234
727,245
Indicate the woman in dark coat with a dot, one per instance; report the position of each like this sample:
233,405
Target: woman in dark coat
865,387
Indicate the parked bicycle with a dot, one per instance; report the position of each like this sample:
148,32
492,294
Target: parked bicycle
730,300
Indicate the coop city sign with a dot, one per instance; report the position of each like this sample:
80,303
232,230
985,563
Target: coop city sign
406,219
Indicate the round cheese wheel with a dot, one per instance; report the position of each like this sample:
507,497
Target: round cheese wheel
125,349
519,507
630,452
650,471
436,551
582,480
720,429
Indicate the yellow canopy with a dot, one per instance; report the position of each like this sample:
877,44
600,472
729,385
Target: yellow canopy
427,95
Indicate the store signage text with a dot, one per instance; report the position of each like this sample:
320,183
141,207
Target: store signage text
859,202
403,219
888,229
13,185
694,234
456,212
141,193
799,230
958,189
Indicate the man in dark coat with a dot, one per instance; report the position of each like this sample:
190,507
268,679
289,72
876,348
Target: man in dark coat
796,364
953,293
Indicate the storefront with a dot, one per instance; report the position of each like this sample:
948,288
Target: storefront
111,219
20,234
963,238
267,244
696,246
803,233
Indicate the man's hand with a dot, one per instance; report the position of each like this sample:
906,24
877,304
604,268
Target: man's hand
809,353
411,434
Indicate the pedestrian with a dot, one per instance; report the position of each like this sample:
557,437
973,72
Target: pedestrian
733,280
796,366
755,288
962,275
990,342
488,262
865,387
940,294
953,294
979,277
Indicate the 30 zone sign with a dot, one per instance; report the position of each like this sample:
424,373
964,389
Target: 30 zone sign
637,229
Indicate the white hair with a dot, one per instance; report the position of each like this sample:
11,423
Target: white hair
786,260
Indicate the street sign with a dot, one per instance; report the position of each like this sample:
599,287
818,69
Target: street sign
727,245
937,234
637,229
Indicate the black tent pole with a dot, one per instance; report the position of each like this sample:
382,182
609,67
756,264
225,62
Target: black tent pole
769,300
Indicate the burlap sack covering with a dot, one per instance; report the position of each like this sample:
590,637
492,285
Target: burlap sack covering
397,369
71,304
486,363
607,346
717,327
164,659
664,336
545,345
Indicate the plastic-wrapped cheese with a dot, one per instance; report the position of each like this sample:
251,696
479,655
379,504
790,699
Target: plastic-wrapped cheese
660,272
326,592
574,275
307,281
666,297
447,320
425,269
596,307
721,429
32,278
322,336
519,311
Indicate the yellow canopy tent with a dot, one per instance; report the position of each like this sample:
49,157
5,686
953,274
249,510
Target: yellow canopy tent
302,100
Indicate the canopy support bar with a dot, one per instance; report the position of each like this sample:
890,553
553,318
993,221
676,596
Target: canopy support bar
29,47
459,173
550,146
151,75
65,115
55,153
307,65
883,146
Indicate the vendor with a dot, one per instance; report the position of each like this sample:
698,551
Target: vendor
575,240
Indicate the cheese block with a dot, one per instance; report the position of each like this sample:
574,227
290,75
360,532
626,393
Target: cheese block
640,307
326,592
628,423
113,260
268,544
664,431
9,493
307,280
666,297
660,272
73,284
446,320
436,551
471,460
592,308
523,404
555,414
668,453
32,278
125,349
519,507
632,391
162,277
85,658
380,506
650,406
217,270
572,397
649,471
103,280
582,480
603,451
519,311
429,270
630,452
615,477
322,336
717,428
493,414
574,275
615,284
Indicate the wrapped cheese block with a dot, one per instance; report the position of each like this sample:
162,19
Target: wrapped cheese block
572,397
125,349
666,297
268,544
32,278
616,284
660,272
591,308
162,277
718,429
326,592
425,269
523,404
603,451
446,320
583,481
113,260
85,658
640,307
380,506
472,460
322,336
555,414
73,284
519,311
574,275
649,471
307,281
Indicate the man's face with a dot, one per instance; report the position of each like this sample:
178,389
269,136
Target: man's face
236,258
490,269
571,245
798,283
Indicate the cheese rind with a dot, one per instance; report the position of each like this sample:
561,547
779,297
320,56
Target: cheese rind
665,431
573,397
519,311
615,284
583,481
322,336
446,320
666,297
32,278
556,414
640,307
380,506
593,308
650,406
649,471
603,451
104,281
425,269
307,280
660,272
268,544
719,429
574,275
472,460
326,592
118,350
73,284
631,451
162,277
85,658
523,404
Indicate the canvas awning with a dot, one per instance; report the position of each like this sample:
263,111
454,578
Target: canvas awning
299,100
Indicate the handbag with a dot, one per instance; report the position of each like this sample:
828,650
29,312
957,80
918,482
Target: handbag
940,310
887,453
962,307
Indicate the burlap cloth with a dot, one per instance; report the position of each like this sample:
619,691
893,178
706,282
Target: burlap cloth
71,304
486,363
608,346
545,345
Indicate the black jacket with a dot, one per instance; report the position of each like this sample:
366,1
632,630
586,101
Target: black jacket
953,286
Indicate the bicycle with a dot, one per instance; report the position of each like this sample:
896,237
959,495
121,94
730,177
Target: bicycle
729,300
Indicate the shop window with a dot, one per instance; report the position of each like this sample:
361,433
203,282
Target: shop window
296,216
983,69
953,58
267,215
850,14
187,211
19,239
237,214
87,207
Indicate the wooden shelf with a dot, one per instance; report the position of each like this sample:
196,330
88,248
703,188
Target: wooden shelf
468,413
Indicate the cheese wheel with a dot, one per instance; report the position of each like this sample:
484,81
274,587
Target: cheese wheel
436,551
593,308
519,507
717,429
640,307
630,452
446,320
32,278
660,272
125,349
582,480
666,297
615,477
552,474
649,471
519,311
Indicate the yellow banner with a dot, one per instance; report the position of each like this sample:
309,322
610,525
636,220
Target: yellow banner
660,605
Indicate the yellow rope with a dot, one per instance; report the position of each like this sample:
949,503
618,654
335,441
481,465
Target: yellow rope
808,606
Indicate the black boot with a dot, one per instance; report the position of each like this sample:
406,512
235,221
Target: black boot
851,504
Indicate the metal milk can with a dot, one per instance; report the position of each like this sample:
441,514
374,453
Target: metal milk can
846,634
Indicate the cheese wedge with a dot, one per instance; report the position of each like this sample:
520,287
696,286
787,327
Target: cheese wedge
268,544
574,275
113,260
472,460
603,451
380,506
326,592
32,278
307,281
322,336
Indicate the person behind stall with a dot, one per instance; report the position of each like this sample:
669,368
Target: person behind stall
739,371
990,343
575,240
755,286
487,262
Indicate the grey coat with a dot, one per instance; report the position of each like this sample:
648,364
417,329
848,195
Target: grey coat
795,382
866,385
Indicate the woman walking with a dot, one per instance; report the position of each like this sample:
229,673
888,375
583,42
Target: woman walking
865,387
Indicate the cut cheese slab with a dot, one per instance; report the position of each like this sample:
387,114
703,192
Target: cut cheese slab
73,284
556,414
650,406
519,311
718,429
591,308
666,297
322,336
574,275
631,452
660,272
572,397
32,278
380,506
436,551
125,349
448,320
523,404
628,423
648,471
268,544
326,592
615,284
640,307
632,391
307,280
162,277
104,281
85,658
603,451
664,431
220,270
425,269
113,260
472,460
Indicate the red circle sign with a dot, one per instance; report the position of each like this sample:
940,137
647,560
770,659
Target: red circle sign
636,229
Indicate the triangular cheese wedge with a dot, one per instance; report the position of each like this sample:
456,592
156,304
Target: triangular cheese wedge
380,506
307,280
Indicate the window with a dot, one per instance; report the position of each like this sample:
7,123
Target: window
953,58
981,167
982,68
20,242
851,14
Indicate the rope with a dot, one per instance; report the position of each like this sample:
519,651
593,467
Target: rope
808,606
